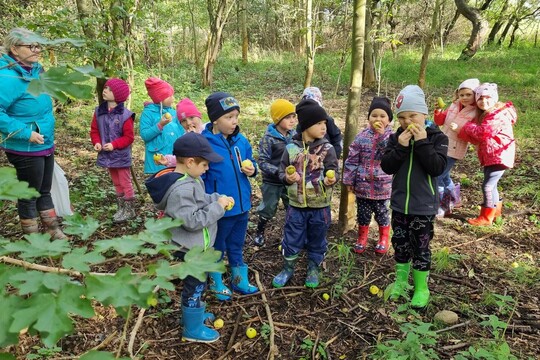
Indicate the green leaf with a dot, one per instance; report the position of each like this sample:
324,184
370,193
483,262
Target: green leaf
100,355
33,281
161,225
61,82
9,305
39,245
79,259
6,274
198,263
77,225
35,38
71,300
3,242
119,290
89,70
11,188
124,245
6,356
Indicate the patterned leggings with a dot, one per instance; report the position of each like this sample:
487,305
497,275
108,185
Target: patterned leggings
366,207
411,238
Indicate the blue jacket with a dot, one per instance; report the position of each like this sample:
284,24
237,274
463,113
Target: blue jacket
225,177
22,113
158,141
271,148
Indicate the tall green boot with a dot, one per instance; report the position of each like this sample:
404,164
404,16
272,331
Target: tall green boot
281,279
421,291
402,280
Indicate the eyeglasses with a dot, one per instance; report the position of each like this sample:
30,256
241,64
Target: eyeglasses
32,47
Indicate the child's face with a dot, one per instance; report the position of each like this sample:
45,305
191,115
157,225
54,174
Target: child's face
192,124
316,131
195,169
411,117
466,97
168,101
108,94
227,123
485,102
378,115
288,122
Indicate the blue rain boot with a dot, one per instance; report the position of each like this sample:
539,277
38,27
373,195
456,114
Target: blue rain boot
194,328
240,282
222,292
312,277
281,279
206,316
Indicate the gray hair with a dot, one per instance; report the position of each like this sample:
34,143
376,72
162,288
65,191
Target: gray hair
18,36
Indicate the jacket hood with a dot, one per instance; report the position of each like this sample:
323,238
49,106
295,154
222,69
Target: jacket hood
210,127
297,139
271,130
7,61
159,185
104,109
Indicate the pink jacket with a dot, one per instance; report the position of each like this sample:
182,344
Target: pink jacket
457,148
494,136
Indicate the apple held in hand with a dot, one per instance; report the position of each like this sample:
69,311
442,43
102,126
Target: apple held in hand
377,125
290,169
230,206
330,174
168,116
247,163
157,157
440,103
411,126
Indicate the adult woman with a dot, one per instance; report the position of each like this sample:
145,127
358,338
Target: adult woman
27,129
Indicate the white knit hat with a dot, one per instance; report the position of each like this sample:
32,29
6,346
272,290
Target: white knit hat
411,98
469,84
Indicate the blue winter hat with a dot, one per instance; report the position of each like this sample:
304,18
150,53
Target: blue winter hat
219,104
411,98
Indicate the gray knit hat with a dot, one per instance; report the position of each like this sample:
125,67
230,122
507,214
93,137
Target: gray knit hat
411,98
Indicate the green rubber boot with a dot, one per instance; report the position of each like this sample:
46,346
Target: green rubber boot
281,279
402,280
421,291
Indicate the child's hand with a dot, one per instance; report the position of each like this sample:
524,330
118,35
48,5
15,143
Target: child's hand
108,147
165,119
292,178
378,127
329,181
453,126
405,137
419,133
225,201
97,147
248,170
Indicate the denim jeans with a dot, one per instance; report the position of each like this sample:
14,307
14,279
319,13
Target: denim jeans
492,175
37,171
445,181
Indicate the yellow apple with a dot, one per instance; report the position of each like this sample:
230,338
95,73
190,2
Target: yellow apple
251,332
330,174
168,116
440,103
247,163
411,126
230,206
290,169
157,157
218,324
325,297
374,290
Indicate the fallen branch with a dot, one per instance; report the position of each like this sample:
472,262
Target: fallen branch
297,327
235,330
137,326
453,327
273,349
234,347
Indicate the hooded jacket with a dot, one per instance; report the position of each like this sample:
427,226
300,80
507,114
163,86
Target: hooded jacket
461,115
183,197
494,136
271,148
312,161
226,177
20,112
415,169
158,141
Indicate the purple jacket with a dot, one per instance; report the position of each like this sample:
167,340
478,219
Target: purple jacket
362,168
110,125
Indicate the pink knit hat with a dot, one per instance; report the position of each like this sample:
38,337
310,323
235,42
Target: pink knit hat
186,108
487,89
119,88
158,89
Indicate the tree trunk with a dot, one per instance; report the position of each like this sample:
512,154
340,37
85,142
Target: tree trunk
347,204
194,35
498,24
369,57
513,35
505,31
428,44
245,39
479,30
448,28
310,44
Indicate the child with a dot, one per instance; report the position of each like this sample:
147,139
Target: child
231,177
189,116
333,134
462,110
111,133
159,126
181,195
310,193
415,156
362,174
271,148
493,136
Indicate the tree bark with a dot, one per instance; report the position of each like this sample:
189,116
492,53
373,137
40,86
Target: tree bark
193,34
245,39
448,28
310,44
479,30
369,56
346,205
427,45
498,24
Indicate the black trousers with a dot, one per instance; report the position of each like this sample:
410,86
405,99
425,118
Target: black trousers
411,237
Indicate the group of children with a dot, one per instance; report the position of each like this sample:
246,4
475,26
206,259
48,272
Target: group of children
207,182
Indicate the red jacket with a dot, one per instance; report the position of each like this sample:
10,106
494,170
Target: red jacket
494,136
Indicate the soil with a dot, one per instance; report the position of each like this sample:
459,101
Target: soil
351,323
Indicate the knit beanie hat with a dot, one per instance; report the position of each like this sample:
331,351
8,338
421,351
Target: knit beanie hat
158,89
119,88
313,93
382,103
186,108
309,113
219,104
487,89
469,84
411,98
279,109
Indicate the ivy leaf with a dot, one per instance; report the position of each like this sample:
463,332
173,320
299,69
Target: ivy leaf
100,355
61,82
77,225
39,245
124,245
12,189
9,305
79,259
33,281
198,262
119,290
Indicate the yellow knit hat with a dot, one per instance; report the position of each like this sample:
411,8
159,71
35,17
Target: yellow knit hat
279,109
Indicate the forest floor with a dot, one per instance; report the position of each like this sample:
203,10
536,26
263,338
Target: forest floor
474,275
